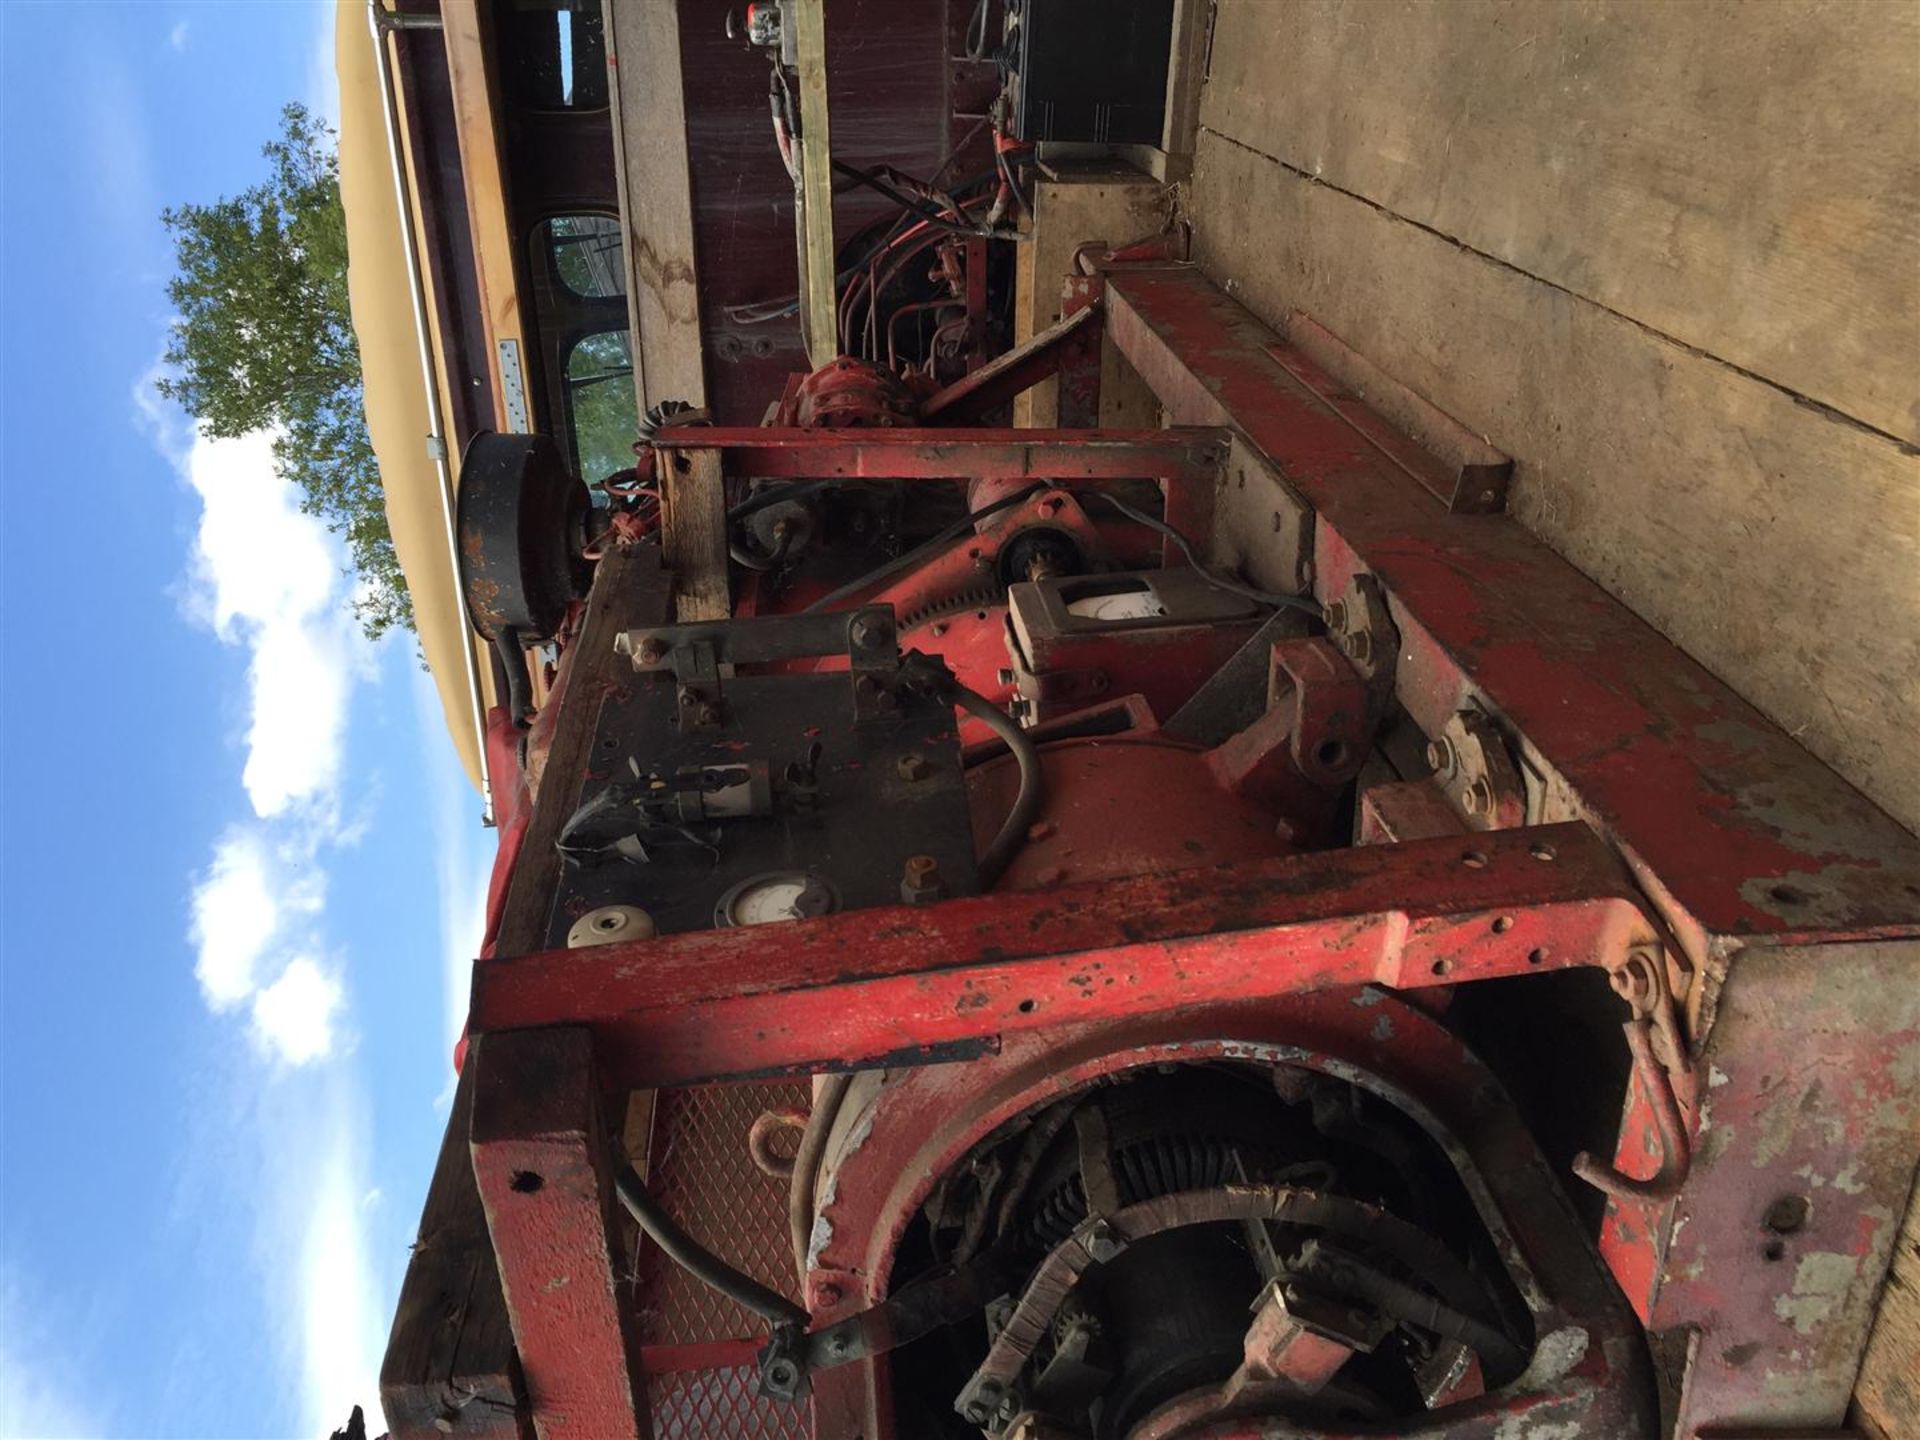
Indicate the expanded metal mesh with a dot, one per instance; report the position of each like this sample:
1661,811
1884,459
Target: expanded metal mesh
700,1171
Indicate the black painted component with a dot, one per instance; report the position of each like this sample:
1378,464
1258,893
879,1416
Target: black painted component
521,519
729,763
1090,71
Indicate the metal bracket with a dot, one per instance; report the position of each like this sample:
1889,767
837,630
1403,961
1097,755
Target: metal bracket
701,656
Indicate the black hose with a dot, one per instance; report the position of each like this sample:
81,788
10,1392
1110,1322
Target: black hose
806,1165
1304,603
1026,804
698,1261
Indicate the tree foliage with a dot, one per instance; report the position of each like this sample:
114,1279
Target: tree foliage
263,340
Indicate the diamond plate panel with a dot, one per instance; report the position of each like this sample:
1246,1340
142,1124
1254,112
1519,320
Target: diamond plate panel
721,1405
700,1172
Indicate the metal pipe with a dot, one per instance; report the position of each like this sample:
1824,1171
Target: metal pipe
378,18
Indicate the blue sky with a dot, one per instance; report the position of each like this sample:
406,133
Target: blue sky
239,868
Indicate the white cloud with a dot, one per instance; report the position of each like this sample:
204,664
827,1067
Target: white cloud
268,577
177,36
343,1316
40,1397
236,914
294,1016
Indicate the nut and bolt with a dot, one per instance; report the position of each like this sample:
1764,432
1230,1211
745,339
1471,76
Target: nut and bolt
864,633
1440,756
1358,644
1101,1243
920,882
1477,797
652,652
829,1294
912,767
1336,616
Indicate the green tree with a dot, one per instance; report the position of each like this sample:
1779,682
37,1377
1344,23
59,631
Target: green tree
263,340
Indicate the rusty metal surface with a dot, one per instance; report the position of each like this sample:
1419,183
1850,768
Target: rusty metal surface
1190,456
1590,1372
1746,831
1809,1125
540,1157
848,989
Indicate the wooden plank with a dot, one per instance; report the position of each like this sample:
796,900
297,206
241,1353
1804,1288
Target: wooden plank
693,533
1742,178
815,153
475,106
628,589
656,200
1081,202
1774,545
450,1367
1887,1398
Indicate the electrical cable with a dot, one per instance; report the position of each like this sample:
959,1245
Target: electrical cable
1305,603
976,41
919,207
922,550
698,1261
806,1164
1026,803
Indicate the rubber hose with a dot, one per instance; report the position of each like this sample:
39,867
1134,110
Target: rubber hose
806,1165
1026,804
698,1261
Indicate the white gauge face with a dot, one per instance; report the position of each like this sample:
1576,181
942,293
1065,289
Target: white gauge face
782,895
1141,604
765,901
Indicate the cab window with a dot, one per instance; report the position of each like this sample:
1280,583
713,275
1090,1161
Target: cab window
602,413
584,251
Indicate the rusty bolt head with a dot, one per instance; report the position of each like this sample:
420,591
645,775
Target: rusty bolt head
1440,756
652,652
912,767
920,882
830,1294
1633,981
1101,1243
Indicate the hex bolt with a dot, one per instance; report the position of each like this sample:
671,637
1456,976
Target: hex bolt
830,1294
652,652
1101,1243
864,633
912,767
1336,616
920,882
1359,645
1477,797
1440,755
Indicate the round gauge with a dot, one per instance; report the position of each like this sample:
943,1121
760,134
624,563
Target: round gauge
774,896
1141,604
